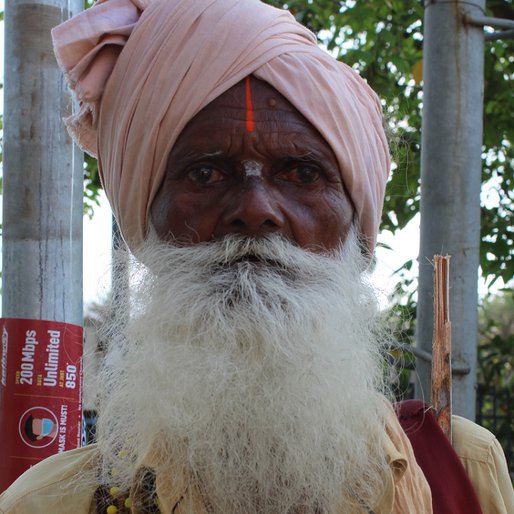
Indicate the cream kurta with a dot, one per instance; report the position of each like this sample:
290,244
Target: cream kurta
63,484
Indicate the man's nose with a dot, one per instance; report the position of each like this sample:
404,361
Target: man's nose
253,210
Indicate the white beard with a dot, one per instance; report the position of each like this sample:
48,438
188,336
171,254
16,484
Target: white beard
257,380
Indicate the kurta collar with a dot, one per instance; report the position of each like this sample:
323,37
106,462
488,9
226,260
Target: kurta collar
179,494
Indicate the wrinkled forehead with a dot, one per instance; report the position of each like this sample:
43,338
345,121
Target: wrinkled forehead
253,96
251,109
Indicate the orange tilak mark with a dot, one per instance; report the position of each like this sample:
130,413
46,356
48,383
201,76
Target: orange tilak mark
249,107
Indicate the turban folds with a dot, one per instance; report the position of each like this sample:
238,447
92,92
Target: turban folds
142,69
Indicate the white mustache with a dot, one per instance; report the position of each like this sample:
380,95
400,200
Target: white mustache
272,253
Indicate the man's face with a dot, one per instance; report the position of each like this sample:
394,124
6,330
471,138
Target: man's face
249,163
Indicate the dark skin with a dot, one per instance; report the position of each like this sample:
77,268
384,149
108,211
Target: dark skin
279,178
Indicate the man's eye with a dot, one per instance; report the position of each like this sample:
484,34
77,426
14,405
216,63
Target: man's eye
206,175
301,174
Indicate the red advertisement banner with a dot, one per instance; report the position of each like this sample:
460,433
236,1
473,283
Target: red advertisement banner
40,392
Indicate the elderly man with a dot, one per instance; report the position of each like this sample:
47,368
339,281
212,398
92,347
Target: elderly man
246,168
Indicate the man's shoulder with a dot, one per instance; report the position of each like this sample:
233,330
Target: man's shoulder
61,483
471,441
485,464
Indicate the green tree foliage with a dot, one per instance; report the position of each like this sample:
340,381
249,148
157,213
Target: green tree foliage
496,369
92,185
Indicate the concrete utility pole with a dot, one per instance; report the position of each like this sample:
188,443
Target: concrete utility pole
41,334
43,175
453,57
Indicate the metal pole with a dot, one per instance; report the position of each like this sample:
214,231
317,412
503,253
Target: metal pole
41,350
42,200
450,182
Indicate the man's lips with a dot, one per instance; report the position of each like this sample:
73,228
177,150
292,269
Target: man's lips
250,258
254,259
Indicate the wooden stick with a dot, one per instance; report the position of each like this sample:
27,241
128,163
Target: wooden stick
442,346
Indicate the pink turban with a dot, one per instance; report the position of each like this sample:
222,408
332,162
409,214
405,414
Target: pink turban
143,68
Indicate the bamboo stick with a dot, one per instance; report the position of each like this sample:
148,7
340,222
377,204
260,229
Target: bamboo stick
441,346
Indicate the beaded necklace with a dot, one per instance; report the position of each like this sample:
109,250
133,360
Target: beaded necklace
142,499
